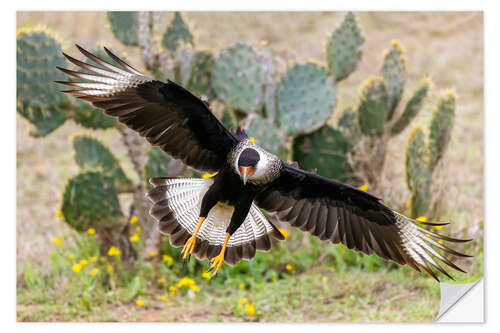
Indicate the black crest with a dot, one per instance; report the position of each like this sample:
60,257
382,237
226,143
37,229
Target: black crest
249,157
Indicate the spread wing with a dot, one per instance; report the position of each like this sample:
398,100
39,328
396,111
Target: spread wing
166,114
343,214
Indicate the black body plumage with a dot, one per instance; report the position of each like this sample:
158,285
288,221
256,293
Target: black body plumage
182,125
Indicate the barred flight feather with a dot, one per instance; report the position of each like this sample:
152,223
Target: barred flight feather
176,204
166,114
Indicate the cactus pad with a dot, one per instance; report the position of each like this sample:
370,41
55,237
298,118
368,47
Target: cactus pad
344,48
372,110
200,80
418,173
91,154
89,117
269,72
441,127
394,73
229,119
90,200
324,150
157,164
38,98
266,134
305,98
348,125
125,27
237,77
177,33
412,107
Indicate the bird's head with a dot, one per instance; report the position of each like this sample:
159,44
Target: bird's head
247,163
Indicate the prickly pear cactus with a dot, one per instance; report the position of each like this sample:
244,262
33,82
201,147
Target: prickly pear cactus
125,26
200,81
394,74
157,164
418,173
229,119
38,53
412,107
237,78
90,200
348,125
269,72
91,154
441,127
177,33
324,150
305,98
267,134
89,117
344,48
373,110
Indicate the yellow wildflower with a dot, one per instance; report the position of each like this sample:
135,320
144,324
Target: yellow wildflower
58,213
138,229
243,300
250,309
94,271
421,219
206,275
162,280
71,256
363,187
139,302
252,139
77,268
113,251
242,286
168,259
185,282
163,297
172,290
438,227
58,241
134,238
153,253
91,231
134,219
288,267
84,262
194,287
440,241
285,233
109,268
93,259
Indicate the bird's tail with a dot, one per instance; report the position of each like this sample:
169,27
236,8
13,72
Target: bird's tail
176,207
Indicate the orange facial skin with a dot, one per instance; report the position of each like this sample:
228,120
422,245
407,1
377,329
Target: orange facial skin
246,171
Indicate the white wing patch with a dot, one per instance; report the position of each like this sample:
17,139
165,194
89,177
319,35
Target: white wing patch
184,197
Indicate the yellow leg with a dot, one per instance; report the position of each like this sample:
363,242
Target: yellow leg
191,242
219,260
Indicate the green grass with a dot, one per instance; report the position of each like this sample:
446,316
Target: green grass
301,279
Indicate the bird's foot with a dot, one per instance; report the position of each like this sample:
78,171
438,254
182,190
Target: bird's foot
188,248
216,263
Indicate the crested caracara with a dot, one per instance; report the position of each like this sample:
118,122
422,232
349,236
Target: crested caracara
220,218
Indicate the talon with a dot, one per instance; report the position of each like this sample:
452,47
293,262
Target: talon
188,248
217,263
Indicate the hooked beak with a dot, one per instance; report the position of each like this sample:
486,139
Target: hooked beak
245,173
